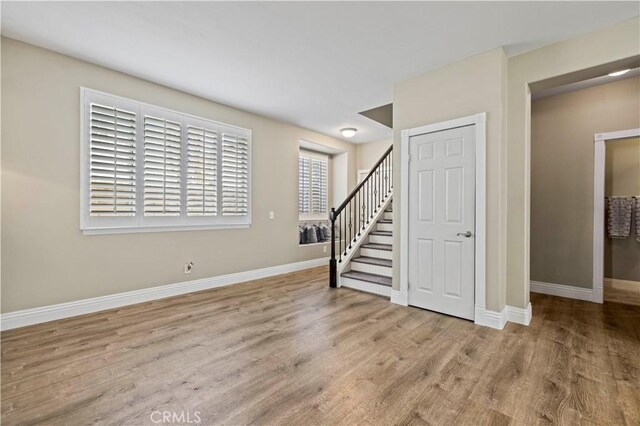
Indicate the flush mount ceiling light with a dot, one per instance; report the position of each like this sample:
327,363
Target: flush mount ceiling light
617,73
348,132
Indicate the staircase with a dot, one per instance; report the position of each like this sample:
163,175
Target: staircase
362,233
371,268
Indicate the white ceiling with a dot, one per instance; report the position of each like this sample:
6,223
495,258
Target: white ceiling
313,64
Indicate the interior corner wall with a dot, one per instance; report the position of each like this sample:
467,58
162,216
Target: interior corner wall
464,88
46,258
601,47
340,177
369,153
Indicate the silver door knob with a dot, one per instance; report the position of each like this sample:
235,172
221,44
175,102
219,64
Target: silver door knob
467,234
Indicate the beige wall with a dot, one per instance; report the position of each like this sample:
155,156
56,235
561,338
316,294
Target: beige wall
464,88
47,260
622,178
562,131
368,153
597,48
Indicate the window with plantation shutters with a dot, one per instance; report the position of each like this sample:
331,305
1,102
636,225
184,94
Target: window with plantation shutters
318,186
304,185
112,161
202,171
162,166
146,168
235,174
313,186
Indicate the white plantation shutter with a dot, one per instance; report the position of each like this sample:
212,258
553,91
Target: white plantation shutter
202,171
304,185
235,175
162,166
112,161
313,185
148,168
318,186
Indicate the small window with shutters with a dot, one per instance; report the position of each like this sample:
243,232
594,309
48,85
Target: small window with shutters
313,184
162,165
202,170
146,168
235,174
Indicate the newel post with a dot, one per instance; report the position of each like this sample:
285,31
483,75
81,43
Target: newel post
333,265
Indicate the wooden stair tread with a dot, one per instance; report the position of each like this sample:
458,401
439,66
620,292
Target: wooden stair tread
376,246
373,261
385,221
383,233
371,278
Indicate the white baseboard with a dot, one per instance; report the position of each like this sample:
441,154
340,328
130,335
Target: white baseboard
498,320
400,297
42,314
562,290
519,315
489,318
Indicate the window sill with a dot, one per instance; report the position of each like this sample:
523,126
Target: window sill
320,218
145,229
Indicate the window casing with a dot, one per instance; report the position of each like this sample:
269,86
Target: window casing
313,186
146,168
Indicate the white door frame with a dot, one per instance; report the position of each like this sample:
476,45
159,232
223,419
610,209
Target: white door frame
599,159
479,121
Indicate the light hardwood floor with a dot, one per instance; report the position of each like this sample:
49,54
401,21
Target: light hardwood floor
627,292
289,350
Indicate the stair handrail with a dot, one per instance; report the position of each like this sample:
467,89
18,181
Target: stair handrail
368,195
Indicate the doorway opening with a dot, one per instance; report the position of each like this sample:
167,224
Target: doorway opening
568,216
616,217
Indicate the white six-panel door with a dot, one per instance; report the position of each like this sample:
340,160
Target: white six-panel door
442,221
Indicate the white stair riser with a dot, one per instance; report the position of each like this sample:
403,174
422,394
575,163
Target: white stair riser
385,226
371,269
382,290
380,239
388,215
380,254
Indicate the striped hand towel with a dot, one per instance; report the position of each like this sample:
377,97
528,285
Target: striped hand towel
619,216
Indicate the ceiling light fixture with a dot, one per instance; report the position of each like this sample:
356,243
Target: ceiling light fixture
348,132
617,73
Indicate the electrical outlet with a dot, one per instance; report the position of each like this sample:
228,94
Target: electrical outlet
188,267
324,249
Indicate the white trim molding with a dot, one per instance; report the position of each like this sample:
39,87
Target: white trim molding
400,298
569,291
489,318
80,307
498,320
482,316
598,205
519,315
